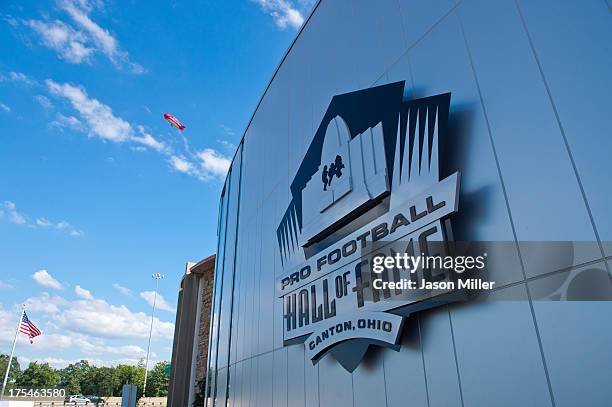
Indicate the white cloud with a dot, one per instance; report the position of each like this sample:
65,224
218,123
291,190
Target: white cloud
126,350
46,303
62,225
56,363
43,278
93,348
67,122
83,293
13,216
227,130
111,321
5,107
43,101
71,45
206,165
100,121
8,323
10,20
77,41
229,146
101,37
16,77
123,290
43,222
5,286
160,302
150,141
283,12
89,329
213,163
99,117
67,227
20,77
181,164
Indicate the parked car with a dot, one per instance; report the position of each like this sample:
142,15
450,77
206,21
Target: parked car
78,399
95,399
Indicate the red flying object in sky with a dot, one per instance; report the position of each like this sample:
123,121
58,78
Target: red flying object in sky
174,122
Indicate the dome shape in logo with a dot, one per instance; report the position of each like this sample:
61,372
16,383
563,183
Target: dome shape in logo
352,172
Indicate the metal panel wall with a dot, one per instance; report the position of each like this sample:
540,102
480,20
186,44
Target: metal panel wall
529,135
577,79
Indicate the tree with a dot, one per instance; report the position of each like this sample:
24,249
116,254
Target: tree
14,373
73,376
157,381
83,378
127,374
41,375
101,381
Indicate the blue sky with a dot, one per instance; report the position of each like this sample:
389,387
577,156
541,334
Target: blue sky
97,191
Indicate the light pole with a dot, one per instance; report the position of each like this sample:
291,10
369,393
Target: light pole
156,277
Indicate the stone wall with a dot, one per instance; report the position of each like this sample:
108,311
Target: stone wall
204,328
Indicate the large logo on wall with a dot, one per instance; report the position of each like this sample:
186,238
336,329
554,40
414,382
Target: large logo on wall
369,178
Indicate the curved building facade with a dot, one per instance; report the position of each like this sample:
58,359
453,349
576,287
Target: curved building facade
451,121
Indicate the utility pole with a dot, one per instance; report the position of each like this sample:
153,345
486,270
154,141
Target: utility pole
156,277
8,366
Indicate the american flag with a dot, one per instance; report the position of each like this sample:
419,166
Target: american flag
27,327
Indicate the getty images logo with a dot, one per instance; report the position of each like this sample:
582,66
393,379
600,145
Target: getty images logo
376,155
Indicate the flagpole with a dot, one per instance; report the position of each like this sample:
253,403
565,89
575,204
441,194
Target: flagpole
8,366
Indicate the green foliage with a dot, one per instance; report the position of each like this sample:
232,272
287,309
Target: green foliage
127,374
83,378
73,376
100,381
39,374
14,372
157,381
